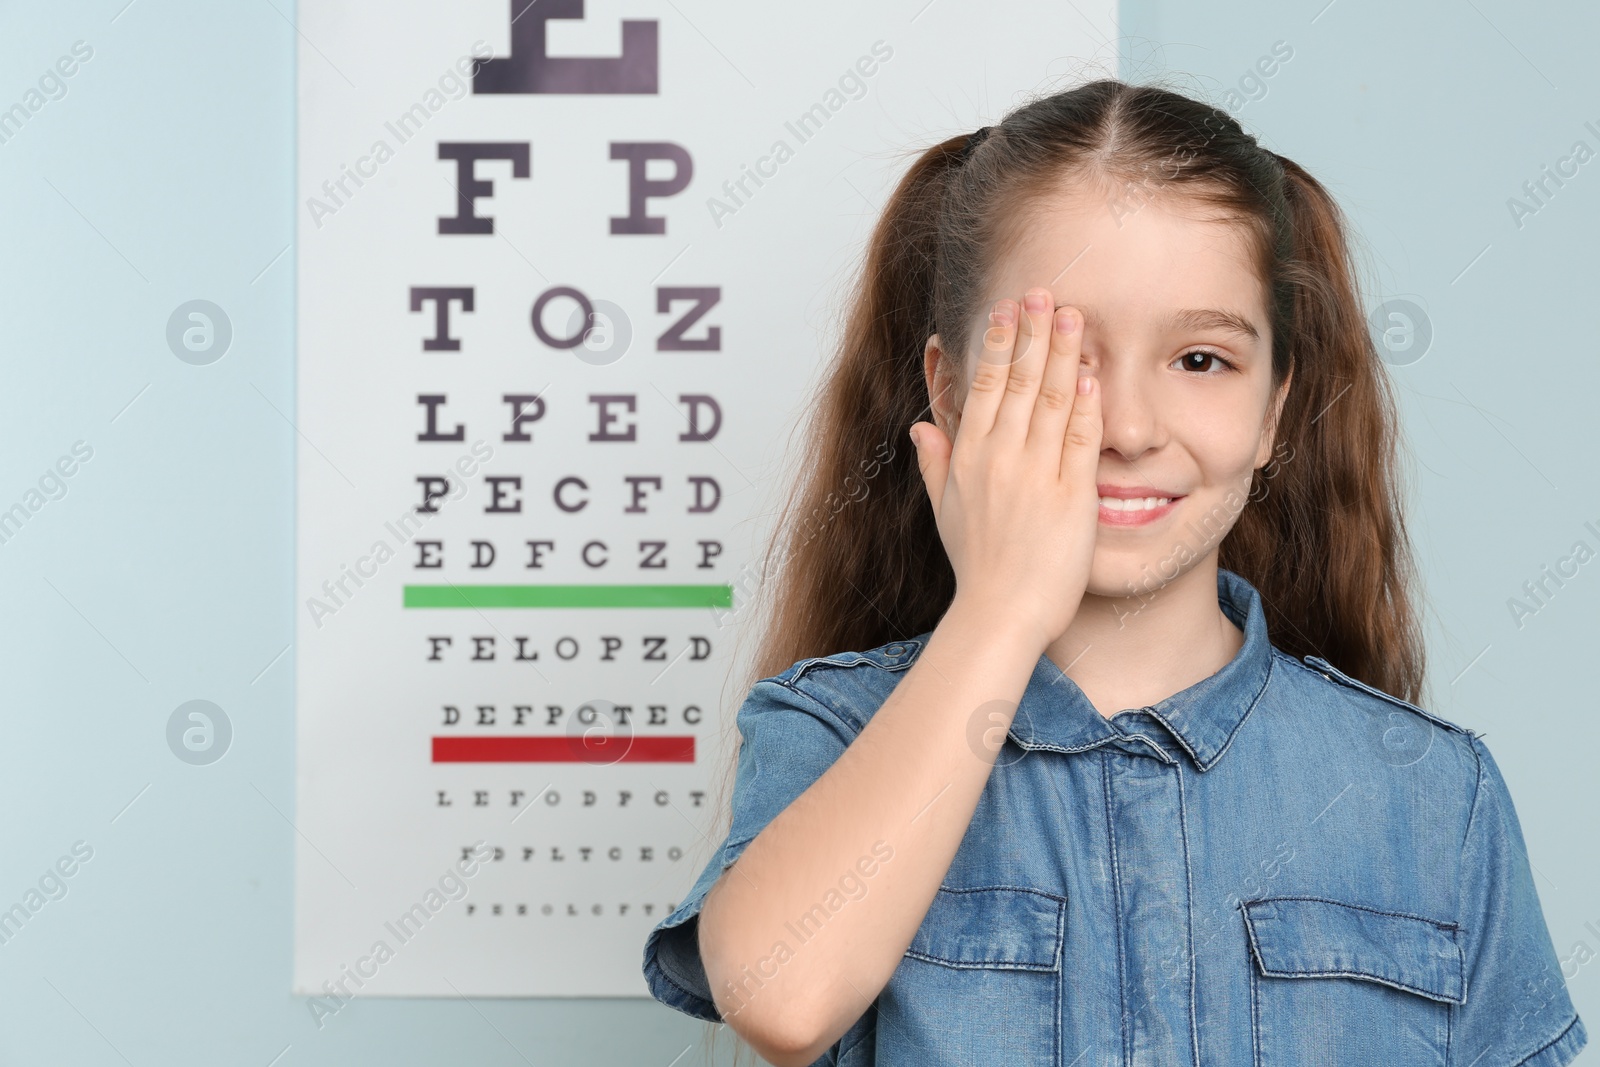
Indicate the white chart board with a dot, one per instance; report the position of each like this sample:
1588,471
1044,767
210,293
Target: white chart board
566,278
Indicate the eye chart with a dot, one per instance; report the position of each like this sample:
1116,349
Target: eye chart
567,276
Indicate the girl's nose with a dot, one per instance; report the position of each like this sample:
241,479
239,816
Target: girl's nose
1131,425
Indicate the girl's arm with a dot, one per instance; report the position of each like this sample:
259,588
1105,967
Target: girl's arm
1018,511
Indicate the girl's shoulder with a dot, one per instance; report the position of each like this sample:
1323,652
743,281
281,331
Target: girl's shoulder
1317,666
1347,725
851,684
890,656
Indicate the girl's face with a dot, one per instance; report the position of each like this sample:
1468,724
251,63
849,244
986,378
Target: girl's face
1176,330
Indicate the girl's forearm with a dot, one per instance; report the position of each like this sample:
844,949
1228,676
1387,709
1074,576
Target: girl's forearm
905,788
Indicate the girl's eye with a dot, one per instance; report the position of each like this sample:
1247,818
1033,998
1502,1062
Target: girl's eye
1200,356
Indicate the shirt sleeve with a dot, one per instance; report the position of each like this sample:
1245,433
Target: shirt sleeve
1517,1012
788,740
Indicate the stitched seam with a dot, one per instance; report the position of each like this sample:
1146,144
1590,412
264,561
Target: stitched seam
1248,711
1261,961
1356,683
1255,1008
690,995
913,651
1450,1020
1461,967
1206,765
1335,675
1176,736
1020,965
1161,754
660,959
1431,994
1188,881
1250,933
1358,907
1051,746
844,729
993,965
1472,814
1061,977
1013,888
1547,1044
1116,904
1461,858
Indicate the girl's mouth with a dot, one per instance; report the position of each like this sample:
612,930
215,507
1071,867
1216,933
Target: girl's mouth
1135,511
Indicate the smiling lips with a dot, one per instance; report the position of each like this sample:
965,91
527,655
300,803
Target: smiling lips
1134,505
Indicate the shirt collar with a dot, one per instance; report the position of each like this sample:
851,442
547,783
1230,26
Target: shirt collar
1056,715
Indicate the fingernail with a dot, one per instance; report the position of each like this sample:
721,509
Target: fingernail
1003,313
1036,301
914,443
1085,384
1066,321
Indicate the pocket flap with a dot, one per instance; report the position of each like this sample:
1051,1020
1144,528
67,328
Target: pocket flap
1309,937
993,926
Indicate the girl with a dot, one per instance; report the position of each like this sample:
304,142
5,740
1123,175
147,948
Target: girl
1123,763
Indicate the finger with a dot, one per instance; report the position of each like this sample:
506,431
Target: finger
993,368
1058,389
933,459
1080,448
1027,364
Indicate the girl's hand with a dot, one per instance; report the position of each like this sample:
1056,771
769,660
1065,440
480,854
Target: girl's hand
1015,496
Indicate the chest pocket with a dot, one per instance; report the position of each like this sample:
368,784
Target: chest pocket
1334,983
980,982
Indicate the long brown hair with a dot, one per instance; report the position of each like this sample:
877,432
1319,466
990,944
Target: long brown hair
855,560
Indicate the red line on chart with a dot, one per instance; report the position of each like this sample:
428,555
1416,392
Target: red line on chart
577,749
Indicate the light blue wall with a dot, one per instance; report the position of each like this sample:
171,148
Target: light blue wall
1424,119
163,575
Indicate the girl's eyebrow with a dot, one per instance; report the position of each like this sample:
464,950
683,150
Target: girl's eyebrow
1214,319
1191,319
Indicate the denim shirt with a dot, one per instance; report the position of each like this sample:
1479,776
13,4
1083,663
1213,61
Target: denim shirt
1278,865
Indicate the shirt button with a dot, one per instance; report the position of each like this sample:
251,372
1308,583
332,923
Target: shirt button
895,650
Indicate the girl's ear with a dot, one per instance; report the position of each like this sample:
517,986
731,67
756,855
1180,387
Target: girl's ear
1269,429
940,373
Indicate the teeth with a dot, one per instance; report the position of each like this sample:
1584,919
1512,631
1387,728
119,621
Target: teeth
1136,504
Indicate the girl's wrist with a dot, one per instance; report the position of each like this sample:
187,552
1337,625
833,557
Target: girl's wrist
982,623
